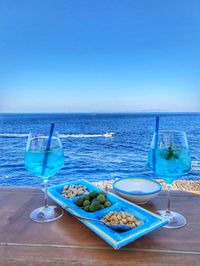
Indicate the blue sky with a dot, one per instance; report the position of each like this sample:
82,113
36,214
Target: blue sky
99,55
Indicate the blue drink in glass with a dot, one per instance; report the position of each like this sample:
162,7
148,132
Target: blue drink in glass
44,157
169,158
33,161
171,162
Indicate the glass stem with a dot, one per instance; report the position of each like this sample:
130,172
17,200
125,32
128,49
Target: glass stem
168,197
45,194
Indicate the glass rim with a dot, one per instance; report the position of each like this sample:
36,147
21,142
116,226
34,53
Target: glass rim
43,135
171,131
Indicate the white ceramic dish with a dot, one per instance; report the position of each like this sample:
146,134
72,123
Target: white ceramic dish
137,189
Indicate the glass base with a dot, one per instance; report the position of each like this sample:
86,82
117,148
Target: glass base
176,220
44,215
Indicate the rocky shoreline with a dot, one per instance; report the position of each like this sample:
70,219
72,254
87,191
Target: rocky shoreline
184,185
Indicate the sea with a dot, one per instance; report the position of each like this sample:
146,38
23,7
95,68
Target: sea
97,146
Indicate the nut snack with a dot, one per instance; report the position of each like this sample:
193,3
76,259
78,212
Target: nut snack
124,218
73,191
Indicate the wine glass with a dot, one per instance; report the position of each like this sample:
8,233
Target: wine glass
169,158
44,162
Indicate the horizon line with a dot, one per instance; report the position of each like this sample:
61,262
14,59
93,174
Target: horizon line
115,112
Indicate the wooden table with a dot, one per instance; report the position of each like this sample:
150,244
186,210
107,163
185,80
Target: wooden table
68,242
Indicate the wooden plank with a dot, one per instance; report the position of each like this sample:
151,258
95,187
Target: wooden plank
68,242
17,189
37,256
16,226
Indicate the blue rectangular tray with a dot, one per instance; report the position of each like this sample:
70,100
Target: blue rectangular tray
113,238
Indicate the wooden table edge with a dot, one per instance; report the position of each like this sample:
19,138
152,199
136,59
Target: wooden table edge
87,247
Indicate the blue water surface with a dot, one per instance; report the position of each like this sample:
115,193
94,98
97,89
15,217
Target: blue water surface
89,153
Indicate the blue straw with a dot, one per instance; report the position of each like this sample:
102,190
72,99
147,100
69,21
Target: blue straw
47,149
156,142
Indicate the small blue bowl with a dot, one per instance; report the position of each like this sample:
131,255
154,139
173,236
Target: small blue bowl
137,189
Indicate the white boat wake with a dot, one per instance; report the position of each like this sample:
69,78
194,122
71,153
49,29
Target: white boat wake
16,135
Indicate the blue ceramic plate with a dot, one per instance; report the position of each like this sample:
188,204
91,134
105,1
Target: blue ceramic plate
113,238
